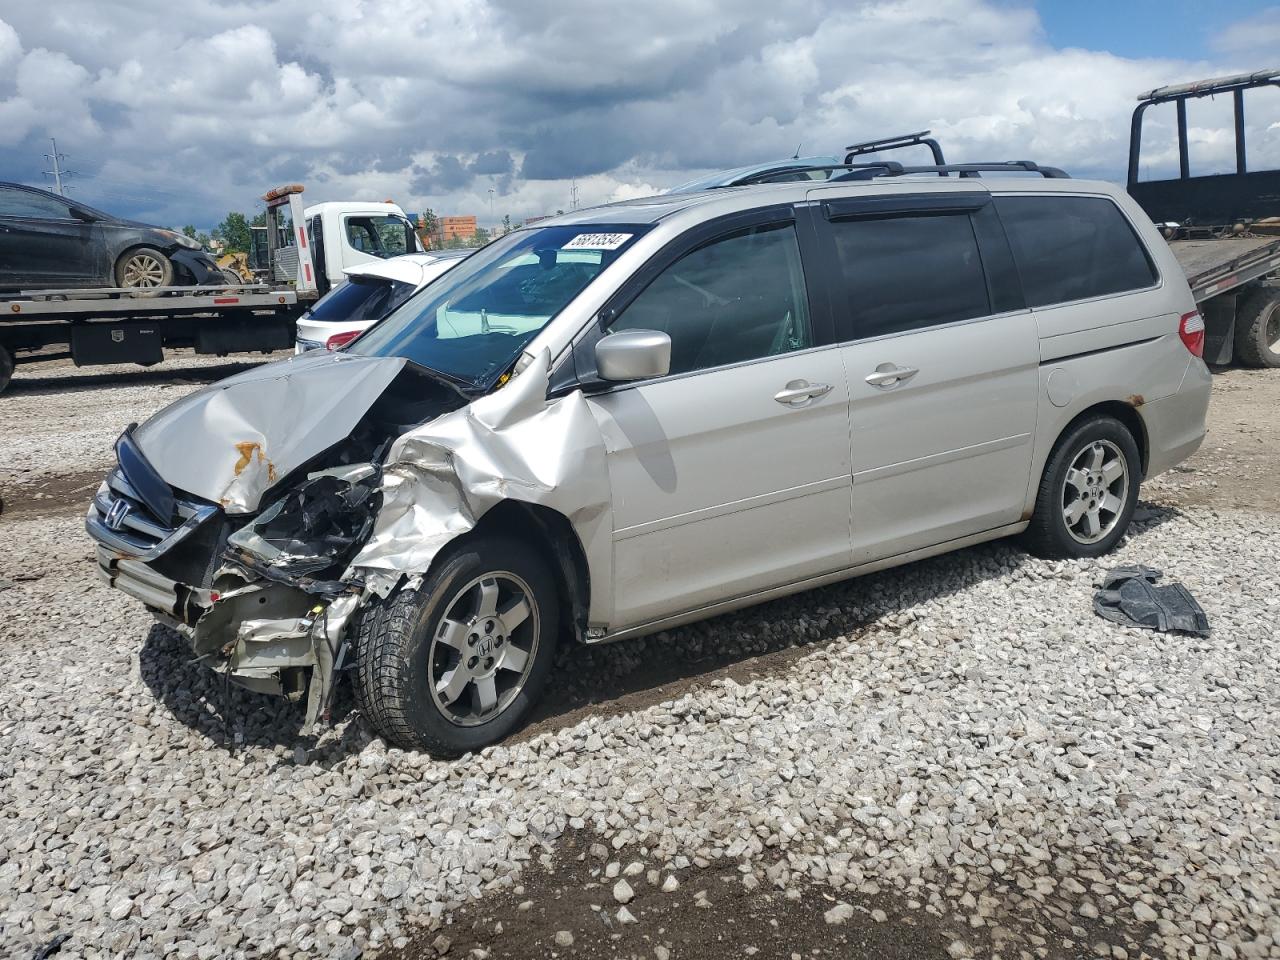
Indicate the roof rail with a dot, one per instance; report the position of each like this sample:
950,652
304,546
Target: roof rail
996,166
891,168
920,138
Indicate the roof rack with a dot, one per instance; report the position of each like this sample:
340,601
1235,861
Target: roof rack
1203,88
891,168
920,138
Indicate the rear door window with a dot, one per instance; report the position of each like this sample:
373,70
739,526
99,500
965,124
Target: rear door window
901,273
1073,248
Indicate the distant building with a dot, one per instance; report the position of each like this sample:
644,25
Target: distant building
456,228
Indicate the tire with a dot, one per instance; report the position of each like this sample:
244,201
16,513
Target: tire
143,268
406,655
6,367
230,276
1072,476
1258,329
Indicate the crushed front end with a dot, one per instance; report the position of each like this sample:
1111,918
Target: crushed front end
234,514
260,599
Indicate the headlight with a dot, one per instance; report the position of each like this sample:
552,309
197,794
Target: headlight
182,240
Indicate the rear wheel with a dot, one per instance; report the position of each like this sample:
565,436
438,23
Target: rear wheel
1088,491
457,663
143,269
1258,329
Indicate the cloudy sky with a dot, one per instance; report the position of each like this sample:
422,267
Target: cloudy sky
176,113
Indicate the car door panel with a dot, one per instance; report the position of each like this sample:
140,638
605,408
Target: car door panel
945,453
731,474
719,490
942,359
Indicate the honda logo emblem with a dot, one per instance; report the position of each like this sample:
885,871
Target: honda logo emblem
117,514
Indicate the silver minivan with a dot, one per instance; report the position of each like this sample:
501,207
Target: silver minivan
638,415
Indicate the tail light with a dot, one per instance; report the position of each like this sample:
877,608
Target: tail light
340,340
1191,330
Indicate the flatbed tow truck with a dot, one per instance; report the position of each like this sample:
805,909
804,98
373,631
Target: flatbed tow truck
1221,227
102,325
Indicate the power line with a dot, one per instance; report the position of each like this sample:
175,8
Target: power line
57,172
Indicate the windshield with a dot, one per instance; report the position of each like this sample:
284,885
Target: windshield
361,298
472,323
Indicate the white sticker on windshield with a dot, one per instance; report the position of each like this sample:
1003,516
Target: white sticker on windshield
597,241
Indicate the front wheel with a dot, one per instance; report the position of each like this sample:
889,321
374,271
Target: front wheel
1088,491
457,663
143,270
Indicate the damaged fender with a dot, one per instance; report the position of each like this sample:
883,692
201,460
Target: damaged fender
440,478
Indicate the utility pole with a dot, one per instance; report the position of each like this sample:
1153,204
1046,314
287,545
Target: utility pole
573,194
56,159
491,204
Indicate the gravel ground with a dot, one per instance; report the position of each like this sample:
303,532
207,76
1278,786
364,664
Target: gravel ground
59,419
957,758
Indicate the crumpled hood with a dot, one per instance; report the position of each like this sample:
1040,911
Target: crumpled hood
231,441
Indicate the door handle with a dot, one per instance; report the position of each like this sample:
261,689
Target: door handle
799,392
889,374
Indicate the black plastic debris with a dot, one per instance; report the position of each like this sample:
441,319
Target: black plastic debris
52,947
315,526
1129,596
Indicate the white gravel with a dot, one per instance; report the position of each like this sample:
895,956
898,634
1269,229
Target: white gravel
972,740
983,735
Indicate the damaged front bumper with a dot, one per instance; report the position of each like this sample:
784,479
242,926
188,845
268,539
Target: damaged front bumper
262,635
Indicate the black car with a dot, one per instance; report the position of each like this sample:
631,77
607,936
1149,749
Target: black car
48,242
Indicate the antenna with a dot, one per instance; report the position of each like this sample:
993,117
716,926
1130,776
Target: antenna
796,155
57,172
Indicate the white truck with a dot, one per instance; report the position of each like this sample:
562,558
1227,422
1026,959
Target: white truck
295,257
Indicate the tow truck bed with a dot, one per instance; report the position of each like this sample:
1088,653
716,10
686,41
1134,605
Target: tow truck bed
116,325
1217,266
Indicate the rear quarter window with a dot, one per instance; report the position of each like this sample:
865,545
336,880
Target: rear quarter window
1073,248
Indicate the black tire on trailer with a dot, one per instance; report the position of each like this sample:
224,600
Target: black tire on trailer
1087,492
143,268
6,367
456,663
1258,329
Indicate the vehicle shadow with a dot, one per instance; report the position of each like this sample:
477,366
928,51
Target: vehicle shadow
613,679
228,716
767,639
31,381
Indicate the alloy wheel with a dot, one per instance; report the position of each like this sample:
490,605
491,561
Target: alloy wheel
483,648
1095,491
143,270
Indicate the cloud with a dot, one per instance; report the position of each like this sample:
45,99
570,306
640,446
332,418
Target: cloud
436,102
1251,38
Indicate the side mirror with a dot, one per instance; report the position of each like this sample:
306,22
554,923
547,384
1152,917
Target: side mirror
82,215
633,355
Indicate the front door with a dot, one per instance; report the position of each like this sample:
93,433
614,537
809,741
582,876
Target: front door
943,363
731,474
42,244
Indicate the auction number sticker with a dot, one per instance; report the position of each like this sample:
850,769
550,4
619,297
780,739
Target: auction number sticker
597,241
